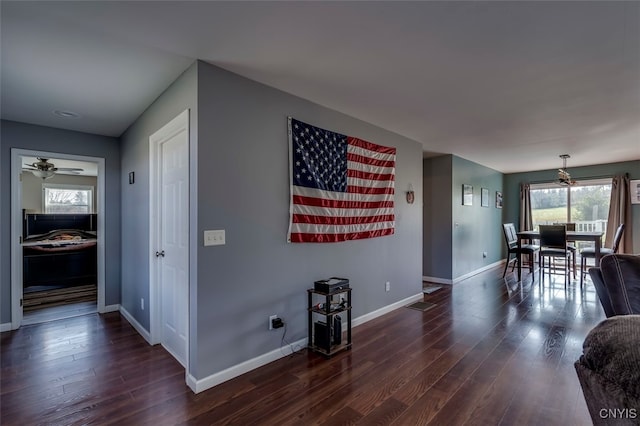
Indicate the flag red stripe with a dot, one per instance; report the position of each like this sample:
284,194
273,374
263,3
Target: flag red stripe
371,191
370,176
370,161
329,220
320,202
370,146
365,210
335,238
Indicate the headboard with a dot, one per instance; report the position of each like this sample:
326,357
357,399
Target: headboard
41,223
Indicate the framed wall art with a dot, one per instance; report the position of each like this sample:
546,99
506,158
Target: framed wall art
498,200
467,195
634,187
484,197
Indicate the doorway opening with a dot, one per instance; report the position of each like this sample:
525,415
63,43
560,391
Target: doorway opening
57,227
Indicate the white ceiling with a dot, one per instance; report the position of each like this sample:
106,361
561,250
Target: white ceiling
510,85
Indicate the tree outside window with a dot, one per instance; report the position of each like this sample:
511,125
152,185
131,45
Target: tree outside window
67,199
586,204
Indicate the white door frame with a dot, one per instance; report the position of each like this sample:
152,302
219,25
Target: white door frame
173,127
16,226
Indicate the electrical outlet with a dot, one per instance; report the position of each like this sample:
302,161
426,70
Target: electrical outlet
271,318
142,303
387,286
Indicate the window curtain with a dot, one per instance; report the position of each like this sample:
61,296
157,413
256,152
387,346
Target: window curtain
526,220
620,212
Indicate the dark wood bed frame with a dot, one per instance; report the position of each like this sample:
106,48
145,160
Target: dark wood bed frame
62,265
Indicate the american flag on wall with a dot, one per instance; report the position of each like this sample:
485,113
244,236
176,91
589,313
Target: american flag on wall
342,187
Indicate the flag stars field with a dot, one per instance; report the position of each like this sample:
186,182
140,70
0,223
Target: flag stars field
342,187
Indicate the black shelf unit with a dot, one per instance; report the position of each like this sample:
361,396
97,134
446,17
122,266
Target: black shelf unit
322,338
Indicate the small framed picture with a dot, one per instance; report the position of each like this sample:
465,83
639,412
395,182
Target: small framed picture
484,197
467,195
498,200
634,187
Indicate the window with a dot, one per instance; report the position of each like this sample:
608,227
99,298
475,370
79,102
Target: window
67,198
586,204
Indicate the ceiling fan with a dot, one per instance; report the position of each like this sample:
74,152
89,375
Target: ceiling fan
564,178
44,169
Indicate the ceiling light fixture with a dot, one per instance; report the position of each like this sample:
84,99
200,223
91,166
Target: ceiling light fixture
564,178
44,169
66,114
44,174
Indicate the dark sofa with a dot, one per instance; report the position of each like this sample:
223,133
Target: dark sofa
609,371
609,368
617,283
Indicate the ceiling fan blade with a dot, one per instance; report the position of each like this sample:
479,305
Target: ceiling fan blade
68,169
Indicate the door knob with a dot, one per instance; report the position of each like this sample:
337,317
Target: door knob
160,253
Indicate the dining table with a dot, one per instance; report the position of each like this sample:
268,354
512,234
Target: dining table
595,236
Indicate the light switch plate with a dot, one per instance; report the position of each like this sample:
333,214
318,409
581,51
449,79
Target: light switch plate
214,237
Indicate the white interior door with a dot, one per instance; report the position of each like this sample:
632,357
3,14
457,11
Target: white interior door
171,246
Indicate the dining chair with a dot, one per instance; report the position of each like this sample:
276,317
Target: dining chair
590,252
553,245
571,245
511,238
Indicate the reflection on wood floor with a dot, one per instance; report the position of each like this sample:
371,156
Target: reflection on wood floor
58,312
492,351
39,297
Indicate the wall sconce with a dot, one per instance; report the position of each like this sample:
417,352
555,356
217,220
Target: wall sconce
410,195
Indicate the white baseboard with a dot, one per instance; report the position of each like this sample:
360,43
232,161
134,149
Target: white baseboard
192,383
437,280
111,308
386,309
208,382
5,327
135,324
215,379
462,277
477,271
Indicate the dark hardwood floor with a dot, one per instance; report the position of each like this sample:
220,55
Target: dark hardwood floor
53,313
491,352
45,297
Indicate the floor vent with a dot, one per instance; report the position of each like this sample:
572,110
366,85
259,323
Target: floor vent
421,306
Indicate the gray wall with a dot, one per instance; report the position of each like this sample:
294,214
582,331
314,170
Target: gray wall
455,236
476,229
181,95
32,189
26,136
244,188
437,217
513,181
